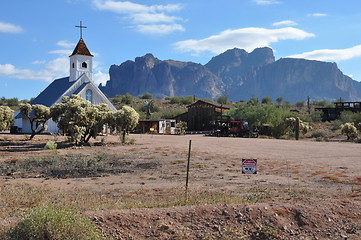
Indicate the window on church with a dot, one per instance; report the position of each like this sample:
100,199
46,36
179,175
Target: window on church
89,95
73,65
84,65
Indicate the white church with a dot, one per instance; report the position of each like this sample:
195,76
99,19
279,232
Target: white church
80,82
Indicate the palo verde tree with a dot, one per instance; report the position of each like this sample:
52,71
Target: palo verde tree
124,120
80,119
6,117
37,115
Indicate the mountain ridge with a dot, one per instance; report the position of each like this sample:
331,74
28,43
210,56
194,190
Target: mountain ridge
236,73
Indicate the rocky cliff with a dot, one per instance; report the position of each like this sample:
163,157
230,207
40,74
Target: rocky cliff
162,78
237,73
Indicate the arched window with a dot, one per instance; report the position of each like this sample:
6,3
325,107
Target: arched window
89,95
84,65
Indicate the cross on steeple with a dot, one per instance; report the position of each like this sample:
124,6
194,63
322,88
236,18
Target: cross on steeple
81,29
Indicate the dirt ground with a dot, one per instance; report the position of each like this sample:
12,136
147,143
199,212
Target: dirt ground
302,190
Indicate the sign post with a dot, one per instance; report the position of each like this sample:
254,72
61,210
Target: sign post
249,166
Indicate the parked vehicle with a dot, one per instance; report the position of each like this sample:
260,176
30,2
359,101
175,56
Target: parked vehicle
238,128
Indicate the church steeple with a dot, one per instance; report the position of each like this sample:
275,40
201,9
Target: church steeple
81,61
81,49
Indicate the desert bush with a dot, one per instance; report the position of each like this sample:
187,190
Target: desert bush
146,96
347,116
267,100
258,115
171,114
322,135
300,104
127,99
322,103
55,223
181,100
50,145
222,99
349,130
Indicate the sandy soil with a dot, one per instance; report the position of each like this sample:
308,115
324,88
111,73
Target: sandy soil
308,172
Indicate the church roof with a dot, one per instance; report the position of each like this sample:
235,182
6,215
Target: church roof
53,92
81,88
81,49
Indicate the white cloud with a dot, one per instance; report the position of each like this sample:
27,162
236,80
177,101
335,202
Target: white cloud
129,7
152,18
159,28
38,62
144,16
334,55
65,44
285,23
318,14
10,28
7,69
100,78
266,2
244,38
54,69
62,52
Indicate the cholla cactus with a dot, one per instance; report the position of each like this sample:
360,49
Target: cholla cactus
80,119
304,126
181,128
124,120
6,117
349,130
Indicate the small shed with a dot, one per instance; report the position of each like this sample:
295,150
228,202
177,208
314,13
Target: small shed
157,126
202,115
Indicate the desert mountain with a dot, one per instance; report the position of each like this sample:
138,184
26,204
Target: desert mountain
237,73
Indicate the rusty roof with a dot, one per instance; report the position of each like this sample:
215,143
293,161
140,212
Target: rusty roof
81,49
209,103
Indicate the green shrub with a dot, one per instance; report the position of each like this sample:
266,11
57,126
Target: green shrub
181,100
300,104
50,145
53,223
146,96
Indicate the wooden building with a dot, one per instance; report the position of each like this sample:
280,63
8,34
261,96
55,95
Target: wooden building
335,112
202,115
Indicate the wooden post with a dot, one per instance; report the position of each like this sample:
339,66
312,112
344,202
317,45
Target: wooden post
188,163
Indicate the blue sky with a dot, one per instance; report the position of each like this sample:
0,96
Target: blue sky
37,37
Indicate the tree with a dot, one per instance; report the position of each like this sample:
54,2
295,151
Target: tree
146,96
80,119
300,104
267,100
6,117
222,99
124,120
258,115
37,115
279,100
253,101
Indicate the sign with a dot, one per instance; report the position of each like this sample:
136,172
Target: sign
249,166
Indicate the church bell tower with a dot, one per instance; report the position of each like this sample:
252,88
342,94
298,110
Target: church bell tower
81,60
